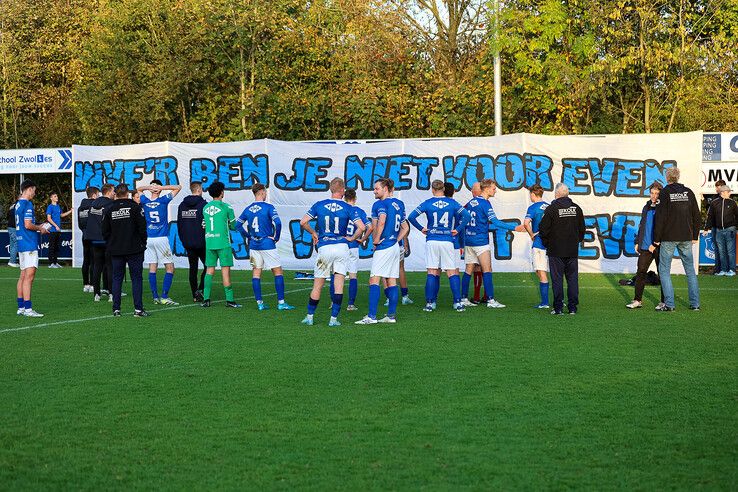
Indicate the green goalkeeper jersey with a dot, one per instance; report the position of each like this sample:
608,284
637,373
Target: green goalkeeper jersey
219,219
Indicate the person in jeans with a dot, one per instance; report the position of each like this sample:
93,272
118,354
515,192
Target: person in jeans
124,230
677,227
722,219
12,239
709,199
647,252
54,216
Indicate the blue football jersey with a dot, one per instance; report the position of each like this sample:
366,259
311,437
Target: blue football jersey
351,228
535,214
157,215
261,223
442,216
402,213
27,239
394,210
332,219
55,212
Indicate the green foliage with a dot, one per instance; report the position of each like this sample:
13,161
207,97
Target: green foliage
128,71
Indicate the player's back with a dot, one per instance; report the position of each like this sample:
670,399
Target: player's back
351,227
27,239
258,218
332,217
156,212
441,216
218,218
476,232
393,210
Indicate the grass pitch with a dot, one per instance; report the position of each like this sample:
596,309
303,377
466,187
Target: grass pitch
487,399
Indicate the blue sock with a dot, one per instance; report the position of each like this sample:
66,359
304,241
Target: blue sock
312,305
332,290
393,300
168,277
465,285
336,307
21,303
489,287
279,286
455,284
28,304
374,295
543,287
436,287
404,291
386,292
429,288
256,285
353,290
152,285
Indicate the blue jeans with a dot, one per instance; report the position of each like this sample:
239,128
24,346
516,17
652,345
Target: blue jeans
13,251
718,266
725,241
666,254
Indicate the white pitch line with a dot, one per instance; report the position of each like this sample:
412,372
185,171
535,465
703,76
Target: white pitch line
94,318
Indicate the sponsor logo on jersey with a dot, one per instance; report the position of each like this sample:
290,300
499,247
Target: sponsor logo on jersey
333,207
440,204
211,210
152,204
254,209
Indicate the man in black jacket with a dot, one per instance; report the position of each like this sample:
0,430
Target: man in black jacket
677,227
647,252
93,231
722,219
124,230
561,230
83,212
191,232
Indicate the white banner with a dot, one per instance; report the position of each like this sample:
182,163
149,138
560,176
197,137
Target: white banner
719,161
29,161
608,176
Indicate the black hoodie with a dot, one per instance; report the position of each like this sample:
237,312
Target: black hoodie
83,212
124,228
93,230
677,215
190,222
562,228
723,213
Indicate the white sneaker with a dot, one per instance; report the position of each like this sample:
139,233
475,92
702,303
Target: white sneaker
20,311
730,273
110,298
167,302
660,306
351,307
97,298
494,304
32,314
387,319
366,320
721,274
634,305
406,300
14,265
467,303
87,288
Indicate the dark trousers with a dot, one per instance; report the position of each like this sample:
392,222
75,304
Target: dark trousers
135,267
560,268
54,243
86,261
101,266
644,261
193,256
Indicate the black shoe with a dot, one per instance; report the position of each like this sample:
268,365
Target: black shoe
205,303
232,304
141,314
198,297
572,312
694,308
117,314
556,313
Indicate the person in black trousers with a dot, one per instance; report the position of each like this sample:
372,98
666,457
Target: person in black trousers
647,251
561,230
83,212
101,265
192,234
124,230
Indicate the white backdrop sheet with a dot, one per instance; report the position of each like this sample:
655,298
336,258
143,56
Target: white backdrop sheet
608,175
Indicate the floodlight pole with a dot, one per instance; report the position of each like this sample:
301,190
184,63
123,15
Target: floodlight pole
497,71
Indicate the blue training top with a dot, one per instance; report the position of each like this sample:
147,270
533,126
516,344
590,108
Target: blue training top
442,216
261,223
332,218
535,214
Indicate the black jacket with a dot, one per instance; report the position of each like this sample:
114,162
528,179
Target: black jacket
124,228
11,216
93,230
562,228
190,222
83,211
642,226
723,213
677,215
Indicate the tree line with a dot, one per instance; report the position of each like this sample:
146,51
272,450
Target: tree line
103,72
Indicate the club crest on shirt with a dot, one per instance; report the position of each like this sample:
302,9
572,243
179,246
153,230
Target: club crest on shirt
152,204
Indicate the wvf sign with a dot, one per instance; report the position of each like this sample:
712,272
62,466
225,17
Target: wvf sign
29,161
